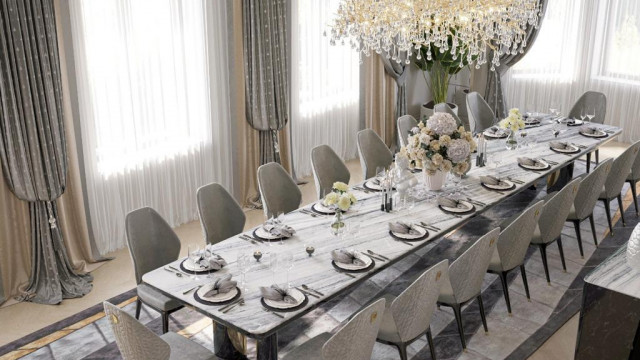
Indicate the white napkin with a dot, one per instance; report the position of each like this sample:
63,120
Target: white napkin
277,293
492,180
590,130
494,130
451,203
529,162
403,228
210,260
221,286
348,257
560,145
279,230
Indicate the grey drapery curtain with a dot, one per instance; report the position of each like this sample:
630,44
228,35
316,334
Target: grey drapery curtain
266,84
32,141
494,94
399,73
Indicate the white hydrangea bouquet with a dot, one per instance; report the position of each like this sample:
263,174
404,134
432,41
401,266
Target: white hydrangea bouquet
341,200
440,146
513,122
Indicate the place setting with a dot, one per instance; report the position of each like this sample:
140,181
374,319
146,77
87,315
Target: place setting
351,261
455,206
276,299
495,132
201,261
339,199
574,122
533,164
593,132
221,291
564,147
496,183
402,231
274,229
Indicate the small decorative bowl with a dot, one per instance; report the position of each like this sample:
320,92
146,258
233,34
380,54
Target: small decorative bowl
258,255
310,250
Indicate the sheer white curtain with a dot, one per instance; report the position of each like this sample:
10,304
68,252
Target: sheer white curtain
583,45
325,88
154,107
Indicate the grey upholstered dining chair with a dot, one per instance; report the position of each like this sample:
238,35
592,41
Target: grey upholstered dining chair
152,244
327,168
512,248
591,100
136,342
373,153
220,214
278,190
632,179
405,124
445,108
463,280
620,170
481,116
408,316
554,214
586,200
354,341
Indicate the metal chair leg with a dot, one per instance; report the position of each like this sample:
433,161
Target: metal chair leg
593,229
525,282
138,308
576,225
543,253
635,196
458,313
624,223
482,314
564,264
505,290
607,209
432,348
597,156
588,162
165,322
402,349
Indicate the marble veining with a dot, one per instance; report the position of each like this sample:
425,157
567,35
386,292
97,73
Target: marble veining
616,275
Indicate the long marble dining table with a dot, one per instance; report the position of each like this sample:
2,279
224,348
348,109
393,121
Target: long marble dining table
317,271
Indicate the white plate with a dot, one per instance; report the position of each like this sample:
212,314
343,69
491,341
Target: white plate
575,123
600,133
422,231
568,149
546,165
264,234
495,136
367,260
299,296
319,207
504,184
218,298
468,207
532,121
370,185
189,265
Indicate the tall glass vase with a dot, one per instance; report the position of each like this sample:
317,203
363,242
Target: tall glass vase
337,225
512,141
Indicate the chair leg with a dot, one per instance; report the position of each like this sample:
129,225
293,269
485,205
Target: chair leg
482,314
607,209
138,308
432,348
588,162
576,225
402,349
165,322
597,156
593,230
525,282
543,253
624,223
564,264
505,290
458,313
635,196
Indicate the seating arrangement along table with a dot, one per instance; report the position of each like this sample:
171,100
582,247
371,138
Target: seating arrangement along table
317,271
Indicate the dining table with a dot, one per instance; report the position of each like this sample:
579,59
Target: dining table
317,273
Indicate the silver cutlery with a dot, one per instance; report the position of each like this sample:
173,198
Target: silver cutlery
309,212
310,289
308,293
404,242
376,258
196,288
274,313
249,240
247,237
382,256
230,304
241,303
549,161
345,273
476,202
173,272
176,270
430,226
515,180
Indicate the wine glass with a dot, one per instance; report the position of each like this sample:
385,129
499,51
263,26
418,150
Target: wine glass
193,251
273,265
243,262
286,260
583,114
591,113
523,136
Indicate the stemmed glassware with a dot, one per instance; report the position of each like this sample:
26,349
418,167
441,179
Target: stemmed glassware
523,137
273,265
591,113
243,262
583,114
286,262
193,251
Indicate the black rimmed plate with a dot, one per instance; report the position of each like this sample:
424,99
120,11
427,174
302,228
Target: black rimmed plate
350,268
536,168
575,123
493,136
273,305
213,301
469,209
598,135
319,208
370,185
187,267
570,150
508,185
424,234
263,235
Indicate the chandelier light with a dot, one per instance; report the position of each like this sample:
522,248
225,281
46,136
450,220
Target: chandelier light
400,29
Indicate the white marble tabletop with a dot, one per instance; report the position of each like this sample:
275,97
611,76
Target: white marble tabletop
615,274
317,271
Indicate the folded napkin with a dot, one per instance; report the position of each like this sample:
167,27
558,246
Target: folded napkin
590,130
571,121
403,228
529,162
276,293
221,286
560,145
348,257
279,230
210,260
492,180
494,130
451,203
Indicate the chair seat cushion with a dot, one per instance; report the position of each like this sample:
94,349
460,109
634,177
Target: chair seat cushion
496,264
183,348
311,350
155,299
388,330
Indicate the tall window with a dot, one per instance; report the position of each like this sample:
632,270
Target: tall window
619,40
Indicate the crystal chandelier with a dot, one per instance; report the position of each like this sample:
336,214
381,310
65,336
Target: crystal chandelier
399,29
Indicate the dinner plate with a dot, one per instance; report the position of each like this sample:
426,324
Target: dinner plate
569,150
537,168
263,234
281,305
575,123
370,185
503,185
189,267
468,208
408,237
321,209
494,136
218,299
353,267
599,134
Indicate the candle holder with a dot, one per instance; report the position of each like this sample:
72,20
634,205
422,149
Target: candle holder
257,255
310,250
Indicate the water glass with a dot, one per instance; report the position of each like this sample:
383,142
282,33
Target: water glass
193,252
243,263
273,265
286,261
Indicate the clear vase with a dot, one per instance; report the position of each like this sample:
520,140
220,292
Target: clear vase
337,225
512,141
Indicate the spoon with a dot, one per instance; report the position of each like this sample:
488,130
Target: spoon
310,289
196,288
173,272
241,303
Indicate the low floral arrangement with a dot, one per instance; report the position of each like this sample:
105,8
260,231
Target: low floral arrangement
514,121
340,198
440,145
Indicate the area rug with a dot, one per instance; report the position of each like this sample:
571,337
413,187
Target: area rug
87,335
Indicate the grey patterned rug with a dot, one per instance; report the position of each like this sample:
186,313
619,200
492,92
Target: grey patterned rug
87,335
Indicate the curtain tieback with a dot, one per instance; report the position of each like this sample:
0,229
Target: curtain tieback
52,219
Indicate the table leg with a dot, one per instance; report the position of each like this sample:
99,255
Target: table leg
565,175
268,348
222,344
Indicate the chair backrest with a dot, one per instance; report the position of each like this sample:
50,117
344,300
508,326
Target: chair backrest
481,116
445,108
590,189
514,240
356,339
555,211
635,168
461,100
327,169
405,124
278,190
620,170
151,241
135,341
373,152
467,272
588,101
413,308
220,214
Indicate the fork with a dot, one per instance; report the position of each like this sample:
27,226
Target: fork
274,313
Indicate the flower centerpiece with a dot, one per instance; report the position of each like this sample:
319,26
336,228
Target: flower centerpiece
340,199
438,147
513,122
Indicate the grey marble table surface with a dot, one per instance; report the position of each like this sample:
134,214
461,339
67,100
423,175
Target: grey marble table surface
615,274
317,271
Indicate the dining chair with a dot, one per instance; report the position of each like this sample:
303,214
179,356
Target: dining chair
354,341
278,190
463,280
511,250
373,152
407,316
220,214
481,117
591,100
615,181
554,214
445,108
586,200
327,168
405,124
632,179
136,342
152,244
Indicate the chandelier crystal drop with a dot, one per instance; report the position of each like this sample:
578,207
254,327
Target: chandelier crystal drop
400,29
